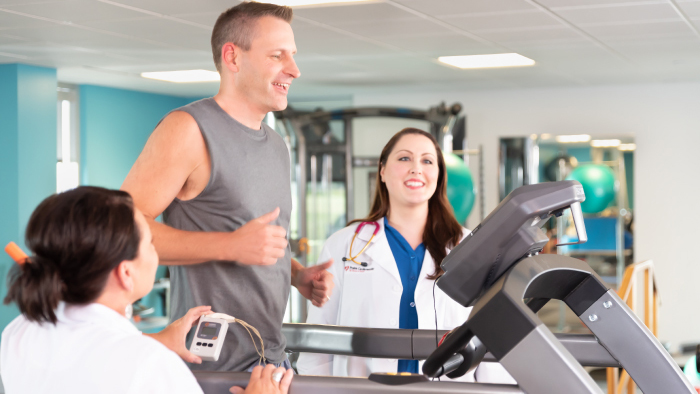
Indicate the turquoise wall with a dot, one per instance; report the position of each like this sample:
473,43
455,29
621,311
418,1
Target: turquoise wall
9,153
114,127
28,105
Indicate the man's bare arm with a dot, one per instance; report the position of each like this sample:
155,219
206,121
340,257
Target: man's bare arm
175,164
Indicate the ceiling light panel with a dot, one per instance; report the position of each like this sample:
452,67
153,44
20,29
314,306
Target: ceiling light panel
487,61
571,139
605,143
183,76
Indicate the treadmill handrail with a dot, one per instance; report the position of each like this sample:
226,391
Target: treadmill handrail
412,344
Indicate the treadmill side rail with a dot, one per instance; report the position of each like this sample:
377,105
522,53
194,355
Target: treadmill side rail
530,353
628,340
556,371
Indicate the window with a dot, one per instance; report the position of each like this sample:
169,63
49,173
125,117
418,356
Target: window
67,171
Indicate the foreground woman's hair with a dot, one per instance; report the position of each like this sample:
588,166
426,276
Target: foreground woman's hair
76,239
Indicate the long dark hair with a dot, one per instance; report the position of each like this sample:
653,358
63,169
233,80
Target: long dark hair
76,238
442,230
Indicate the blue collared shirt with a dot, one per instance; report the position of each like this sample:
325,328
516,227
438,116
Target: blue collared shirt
409,263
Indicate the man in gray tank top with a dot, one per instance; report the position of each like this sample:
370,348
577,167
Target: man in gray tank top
221,179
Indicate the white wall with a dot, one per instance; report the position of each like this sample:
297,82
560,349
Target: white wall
665,122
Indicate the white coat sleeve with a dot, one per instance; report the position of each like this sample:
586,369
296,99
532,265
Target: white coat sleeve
322,364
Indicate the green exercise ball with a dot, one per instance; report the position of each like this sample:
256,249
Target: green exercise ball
598,183
460,186
691,372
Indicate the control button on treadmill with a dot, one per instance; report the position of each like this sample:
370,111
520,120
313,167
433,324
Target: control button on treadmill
211,345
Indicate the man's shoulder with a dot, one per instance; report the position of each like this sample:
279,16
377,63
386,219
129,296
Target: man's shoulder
179,127
179,117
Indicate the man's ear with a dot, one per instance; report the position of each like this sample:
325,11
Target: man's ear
230,57
124,274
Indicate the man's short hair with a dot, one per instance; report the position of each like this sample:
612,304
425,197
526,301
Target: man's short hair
237,25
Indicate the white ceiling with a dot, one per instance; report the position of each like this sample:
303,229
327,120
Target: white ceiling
380,46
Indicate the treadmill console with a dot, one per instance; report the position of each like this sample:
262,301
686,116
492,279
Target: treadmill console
509,233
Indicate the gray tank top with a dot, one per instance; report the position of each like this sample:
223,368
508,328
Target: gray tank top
250,176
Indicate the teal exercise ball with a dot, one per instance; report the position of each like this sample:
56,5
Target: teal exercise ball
460,186
691,372
598,183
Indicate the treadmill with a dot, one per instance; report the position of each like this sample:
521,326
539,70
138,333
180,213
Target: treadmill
498,270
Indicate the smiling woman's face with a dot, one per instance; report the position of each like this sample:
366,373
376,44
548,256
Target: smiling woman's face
411,171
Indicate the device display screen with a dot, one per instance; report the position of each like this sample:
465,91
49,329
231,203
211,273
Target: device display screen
208,331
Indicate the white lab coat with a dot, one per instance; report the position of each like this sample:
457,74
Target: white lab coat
91,349
370,297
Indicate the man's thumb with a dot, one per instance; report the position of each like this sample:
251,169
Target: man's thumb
270,216
323,266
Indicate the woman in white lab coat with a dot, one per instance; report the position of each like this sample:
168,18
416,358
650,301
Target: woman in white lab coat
380,281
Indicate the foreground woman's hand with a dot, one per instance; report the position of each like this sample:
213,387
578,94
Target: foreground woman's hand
265,381
173,336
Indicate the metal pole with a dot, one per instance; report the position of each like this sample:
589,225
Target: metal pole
560,235
622,205
297,307
349,190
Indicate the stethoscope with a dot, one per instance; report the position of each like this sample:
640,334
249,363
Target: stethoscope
357,231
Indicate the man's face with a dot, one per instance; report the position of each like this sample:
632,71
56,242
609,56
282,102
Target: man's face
268,68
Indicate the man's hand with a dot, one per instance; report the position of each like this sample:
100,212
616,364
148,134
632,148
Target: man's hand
262,381
258,242
315,283
173,336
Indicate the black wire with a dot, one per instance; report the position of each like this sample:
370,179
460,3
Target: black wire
435,310
436,321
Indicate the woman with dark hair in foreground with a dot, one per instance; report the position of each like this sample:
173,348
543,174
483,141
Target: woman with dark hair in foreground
92,257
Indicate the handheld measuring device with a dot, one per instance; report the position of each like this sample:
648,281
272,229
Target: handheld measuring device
211,332
209,337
